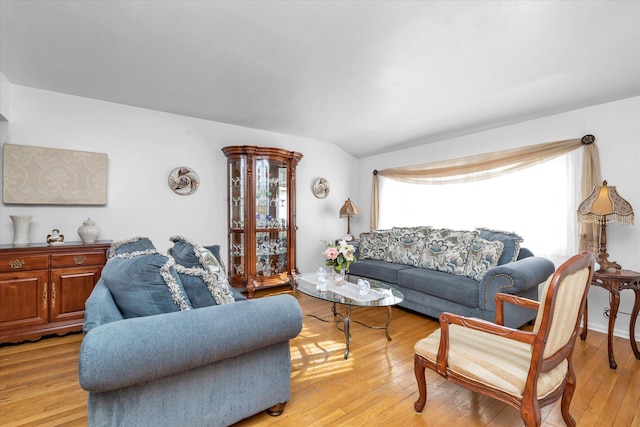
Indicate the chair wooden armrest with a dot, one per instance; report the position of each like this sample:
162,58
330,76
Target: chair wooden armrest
513,299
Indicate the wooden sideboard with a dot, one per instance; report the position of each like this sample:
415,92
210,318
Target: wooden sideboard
43,288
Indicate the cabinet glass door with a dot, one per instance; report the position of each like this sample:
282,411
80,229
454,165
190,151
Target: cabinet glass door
237,188
271,217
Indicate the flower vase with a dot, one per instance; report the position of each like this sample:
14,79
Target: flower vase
21,224
338,277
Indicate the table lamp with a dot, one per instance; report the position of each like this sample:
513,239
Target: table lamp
602,206
348,210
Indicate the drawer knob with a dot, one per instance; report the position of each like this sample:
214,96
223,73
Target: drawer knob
79,259
16,263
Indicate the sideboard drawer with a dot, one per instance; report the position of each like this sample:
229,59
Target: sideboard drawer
78,259
13,263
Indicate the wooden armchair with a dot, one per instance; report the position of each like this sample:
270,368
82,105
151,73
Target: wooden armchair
526,370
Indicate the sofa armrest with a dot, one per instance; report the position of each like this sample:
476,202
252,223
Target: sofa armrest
131,351
100,308
513,278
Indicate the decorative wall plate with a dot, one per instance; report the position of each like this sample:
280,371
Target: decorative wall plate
184,181
321,188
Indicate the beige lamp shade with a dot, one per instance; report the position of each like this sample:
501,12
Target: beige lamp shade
605,204
348,210
602,206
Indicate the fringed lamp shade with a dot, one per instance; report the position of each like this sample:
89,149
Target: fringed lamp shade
348,210
605,205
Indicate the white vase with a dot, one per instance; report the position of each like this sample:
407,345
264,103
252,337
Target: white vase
21,224
89,231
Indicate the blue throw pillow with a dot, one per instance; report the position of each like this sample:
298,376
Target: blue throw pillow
511,243
196,289
144,285
201,272
131,247
205,288
190,254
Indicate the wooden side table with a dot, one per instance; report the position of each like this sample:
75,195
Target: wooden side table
615,282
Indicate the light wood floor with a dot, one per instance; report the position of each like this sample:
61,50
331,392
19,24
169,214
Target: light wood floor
374,387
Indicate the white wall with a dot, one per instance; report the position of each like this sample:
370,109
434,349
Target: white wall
616,126
5,98
143,147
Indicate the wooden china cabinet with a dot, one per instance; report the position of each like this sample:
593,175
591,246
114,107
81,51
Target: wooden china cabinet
262,216
43,288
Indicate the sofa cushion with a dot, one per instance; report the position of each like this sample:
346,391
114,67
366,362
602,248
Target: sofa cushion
374,244
131,247
202,275
451,287
483,255
406,245
144,285
510,240
447,250
379,270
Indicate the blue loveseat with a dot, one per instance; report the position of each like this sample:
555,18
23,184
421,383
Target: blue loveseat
210,365
440,270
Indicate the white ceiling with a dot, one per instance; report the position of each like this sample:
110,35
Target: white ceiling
371,76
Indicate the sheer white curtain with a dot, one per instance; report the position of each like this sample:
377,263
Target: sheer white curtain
539,203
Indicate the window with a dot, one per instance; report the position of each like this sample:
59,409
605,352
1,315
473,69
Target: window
538,203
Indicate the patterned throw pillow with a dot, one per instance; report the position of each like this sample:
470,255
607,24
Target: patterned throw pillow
483,255
406,245
215,251
374,244
202,275
447,250
510,240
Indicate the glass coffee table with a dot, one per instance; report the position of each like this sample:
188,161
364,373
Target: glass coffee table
348,294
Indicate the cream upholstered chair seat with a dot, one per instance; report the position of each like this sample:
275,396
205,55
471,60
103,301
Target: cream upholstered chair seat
491,359
524,369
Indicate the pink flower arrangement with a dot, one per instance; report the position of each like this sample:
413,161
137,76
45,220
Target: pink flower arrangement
340,256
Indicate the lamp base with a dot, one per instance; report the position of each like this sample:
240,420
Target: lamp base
605,264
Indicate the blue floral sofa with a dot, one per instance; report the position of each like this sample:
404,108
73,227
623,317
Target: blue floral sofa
168,342
440,270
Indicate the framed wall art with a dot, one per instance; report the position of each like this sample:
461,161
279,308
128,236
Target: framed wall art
49,176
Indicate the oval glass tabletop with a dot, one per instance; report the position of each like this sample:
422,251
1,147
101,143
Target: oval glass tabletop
379,295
